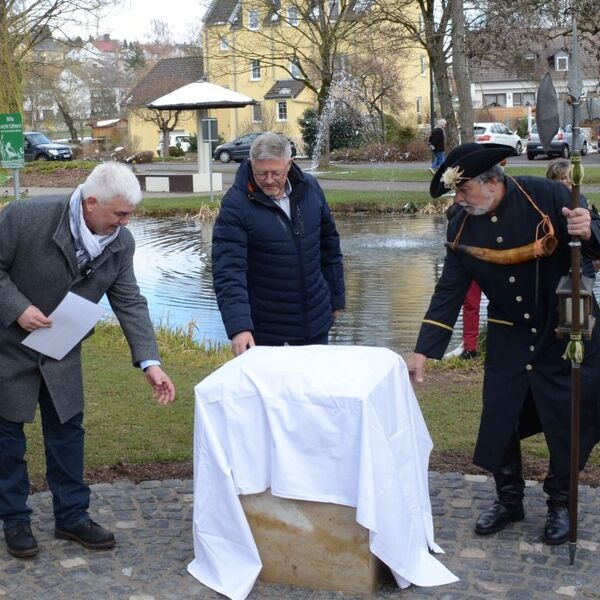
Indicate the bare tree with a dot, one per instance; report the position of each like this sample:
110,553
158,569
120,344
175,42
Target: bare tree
307,40
165,120
160,33
23,25
379,85
461,70
428,23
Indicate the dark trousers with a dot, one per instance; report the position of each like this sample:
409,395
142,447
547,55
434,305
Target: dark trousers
509,479
63,443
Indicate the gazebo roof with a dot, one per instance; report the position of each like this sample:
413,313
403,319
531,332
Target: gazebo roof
200,94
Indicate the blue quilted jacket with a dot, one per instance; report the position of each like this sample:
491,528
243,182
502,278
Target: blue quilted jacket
278,278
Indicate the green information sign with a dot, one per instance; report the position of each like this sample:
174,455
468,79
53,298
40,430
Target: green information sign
11,141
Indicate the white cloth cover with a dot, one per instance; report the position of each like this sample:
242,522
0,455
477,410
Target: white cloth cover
336,424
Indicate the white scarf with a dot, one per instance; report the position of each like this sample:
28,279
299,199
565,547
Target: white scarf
88,245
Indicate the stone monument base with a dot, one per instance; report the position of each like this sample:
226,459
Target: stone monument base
312,544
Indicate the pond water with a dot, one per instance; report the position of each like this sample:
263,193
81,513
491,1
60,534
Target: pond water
392,263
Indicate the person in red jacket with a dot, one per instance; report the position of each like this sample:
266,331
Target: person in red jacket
471,321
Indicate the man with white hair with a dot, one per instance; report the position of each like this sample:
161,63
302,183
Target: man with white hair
437,145
49,247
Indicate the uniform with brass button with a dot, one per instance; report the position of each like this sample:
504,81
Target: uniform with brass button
526,386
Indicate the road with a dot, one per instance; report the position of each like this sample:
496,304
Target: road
228,171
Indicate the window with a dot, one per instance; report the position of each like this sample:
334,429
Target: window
257,113
419,105
294,69
423,66
253,20
282,111
421,25
255,69
523,98
561,62
339,62
334,9
292,16
494,99
223,44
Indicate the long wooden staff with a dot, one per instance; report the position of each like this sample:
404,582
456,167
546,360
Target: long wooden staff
574,351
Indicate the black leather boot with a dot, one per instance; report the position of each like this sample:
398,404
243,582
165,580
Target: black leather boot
509,487
556,530
19,540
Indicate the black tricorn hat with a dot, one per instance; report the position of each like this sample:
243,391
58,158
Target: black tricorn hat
465,162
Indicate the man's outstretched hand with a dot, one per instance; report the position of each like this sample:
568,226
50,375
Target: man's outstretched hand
416,367
164,390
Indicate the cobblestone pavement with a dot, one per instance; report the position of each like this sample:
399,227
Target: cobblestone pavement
152,522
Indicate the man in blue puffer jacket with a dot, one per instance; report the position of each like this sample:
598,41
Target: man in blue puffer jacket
277,264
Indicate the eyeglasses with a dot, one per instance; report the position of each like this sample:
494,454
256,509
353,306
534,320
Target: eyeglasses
273,174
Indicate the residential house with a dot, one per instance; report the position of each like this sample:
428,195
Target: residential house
251,47
166,76
507,91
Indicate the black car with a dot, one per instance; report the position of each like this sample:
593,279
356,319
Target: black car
38,147
239,149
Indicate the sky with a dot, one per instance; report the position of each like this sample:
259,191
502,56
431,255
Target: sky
131,19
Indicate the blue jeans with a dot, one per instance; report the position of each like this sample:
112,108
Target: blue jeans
63,444
438,159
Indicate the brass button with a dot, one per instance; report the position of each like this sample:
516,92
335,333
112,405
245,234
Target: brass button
529,367
499,239
512,279
494,219
519,298
526,316
533,330
532,348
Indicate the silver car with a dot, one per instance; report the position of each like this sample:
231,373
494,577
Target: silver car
561,144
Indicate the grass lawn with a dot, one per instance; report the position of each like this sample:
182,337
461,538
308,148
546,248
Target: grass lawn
347,172
124,424
122,420
339,200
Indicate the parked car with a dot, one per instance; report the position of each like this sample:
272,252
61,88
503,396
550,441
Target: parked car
239,149
497,133
176,139
37,146
561,144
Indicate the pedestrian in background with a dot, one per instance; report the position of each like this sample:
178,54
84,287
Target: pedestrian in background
437,145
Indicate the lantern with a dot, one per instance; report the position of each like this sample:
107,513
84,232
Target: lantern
564,291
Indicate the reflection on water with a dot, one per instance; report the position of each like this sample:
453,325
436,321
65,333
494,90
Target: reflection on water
392,263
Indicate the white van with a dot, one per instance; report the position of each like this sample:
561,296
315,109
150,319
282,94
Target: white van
176,138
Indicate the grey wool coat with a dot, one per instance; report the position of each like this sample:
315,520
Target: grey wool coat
38,266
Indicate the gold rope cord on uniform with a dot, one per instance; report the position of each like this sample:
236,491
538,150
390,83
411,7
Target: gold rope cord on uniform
544,244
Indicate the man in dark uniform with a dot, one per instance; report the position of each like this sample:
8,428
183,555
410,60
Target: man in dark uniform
511,236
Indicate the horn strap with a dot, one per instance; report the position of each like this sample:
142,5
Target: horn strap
545,242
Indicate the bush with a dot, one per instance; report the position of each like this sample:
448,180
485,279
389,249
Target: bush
308,129
413,150
418,150
372,153
521,128
123,155
395,133
176,151
346,129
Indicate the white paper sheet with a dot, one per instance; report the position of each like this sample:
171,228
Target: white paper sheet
71,320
